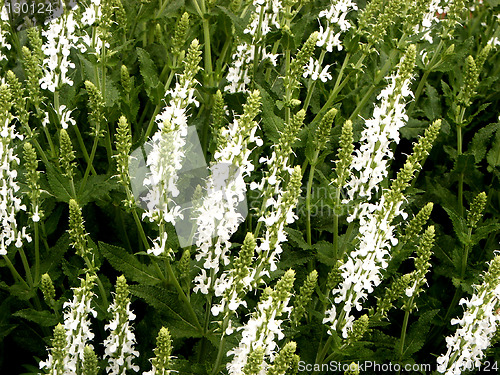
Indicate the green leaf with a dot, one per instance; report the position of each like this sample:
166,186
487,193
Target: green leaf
44,318
238,22
56,253
484,231
481,140
60,185
149,73
125,262
417,334
459,225
431,104
493,156
464,164
295,236
325,252
271,123
168,303
96,188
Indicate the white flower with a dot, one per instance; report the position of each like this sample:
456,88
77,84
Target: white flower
334,16
477,326
77,322
313,69
10,203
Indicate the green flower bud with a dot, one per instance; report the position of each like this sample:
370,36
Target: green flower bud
395,291
283,360
344,156
353,369
76,229
58,351
123,145
325,126
416,224
47,288
180,34
89,361
304,297
359,328
449,51
334,277
5,98
184,266
293,75
254,362
96,105
283,287
33,73
476,210
191,62
66,154
422,266
470,82
163,350
482,56
242,263
32,179
18,100
420,151
36,43
125,79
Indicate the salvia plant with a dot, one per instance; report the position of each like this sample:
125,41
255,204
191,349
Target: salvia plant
249,187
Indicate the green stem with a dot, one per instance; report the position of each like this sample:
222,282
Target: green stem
403,333
91,160
220,351
102,291
84,149
182,295
37,253
26,266
14,271
308,197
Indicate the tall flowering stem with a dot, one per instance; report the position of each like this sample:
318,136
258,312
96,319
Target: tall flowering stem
119,345
361,271
477,326
264,326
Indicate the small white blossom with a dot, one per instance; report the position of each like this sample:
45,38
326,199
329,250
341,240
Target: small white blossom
334,19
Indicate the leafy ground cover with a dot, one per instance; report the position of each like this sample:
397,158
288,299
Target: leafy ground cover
238,187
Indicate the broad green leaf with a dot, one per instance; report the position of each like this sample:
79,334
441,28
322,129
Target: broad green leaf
60,185
481,139
127,263
44,318
239,23
459,225
431,104
149,73
493,156
417,334
96,188
55,255
296,237
168,303
271,124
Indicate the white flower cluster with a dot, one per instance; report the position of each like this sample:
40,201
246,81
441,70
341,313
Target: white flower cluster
431,18
361,273
371,159
10,204
315,71
4,18
476,328
61,38
335,15
219,215
267,15
261,331
119,345
90,17
166,156
77,324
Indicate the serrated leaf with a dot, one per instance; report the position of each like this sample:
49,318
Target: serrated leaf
271,124
418,333
238,22
296,237
168,303
125,262
484,231
325,253
481,140
459,225
60,185
431,105
493,156
44,318
464,164
56,253
96,188
148,72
